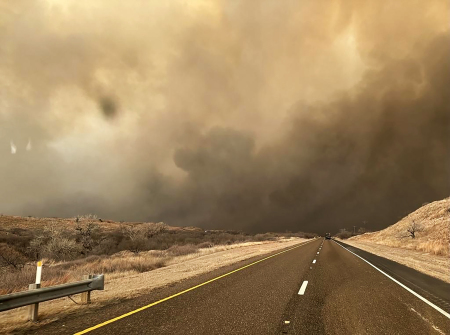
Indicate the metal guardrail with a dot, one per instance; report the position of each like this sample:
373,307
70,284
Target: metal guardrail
35,296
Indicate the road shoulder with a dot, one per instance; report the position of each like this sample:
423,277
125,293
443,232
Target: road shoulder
431,265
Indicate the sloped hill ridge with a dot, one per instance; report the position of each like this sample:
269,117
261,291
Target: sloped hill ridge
433,218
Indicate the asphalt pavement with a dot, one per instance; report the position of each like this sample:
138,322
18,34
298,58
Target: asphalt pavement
317,288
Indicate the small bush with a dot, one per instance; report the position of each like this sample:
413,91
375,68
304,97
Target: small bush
11,258
87,217
180,250
344,235
265,237
61,249
205,245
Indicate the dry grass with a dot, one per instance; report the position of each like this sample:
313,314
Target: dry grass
130,281
55,273
15,281
434,239
122,263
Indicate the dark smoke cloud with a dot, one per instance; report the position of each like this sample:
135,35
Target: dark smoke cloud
254,116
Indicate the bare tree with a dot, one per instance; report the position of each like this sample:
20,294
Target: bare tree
414,228
86,234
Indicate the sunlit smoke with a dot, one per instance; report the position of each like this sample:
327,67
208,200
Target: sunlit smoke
13,148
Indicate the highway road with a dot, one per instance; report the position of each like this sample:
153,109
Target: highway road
318,287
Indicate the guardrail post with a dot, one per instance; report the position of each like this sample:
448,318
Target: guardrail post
86,296
33,309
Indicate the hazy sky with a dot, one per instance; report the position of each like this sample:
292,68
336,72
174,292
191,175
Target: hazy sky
253,115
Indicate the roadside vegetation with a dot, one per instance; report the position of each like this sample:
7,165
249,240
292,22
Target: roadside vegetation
344,233
71,248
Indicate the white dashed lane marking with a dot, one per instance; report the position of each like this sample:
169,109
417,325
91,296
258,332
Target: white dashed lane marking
314,261
303,288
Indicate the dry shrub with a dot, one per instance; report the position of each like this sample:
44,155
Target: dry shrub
87,217
344,235
205,245
55,243
11,258
61,248
151,229
181,250
265,237
139,237
434,247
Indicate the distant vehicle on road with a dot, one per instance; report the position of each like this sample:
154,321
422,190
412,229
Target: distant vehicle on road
328,236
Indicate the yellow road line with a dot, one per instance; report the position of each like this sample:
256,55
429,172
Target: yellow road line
185,291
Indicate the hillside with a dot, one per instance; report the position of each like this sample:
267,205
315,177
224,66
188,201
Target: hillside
428,252
8,222
433,219
432,237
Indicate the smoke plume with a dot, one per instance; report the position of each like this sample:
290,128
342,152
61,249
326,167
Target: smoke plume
254,115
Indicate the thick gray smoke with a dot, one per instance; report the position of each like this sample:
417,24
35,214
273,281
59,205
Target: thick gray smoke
252,115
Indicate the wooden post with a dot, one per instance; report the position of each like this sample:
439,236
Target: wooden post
33,309
86,296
